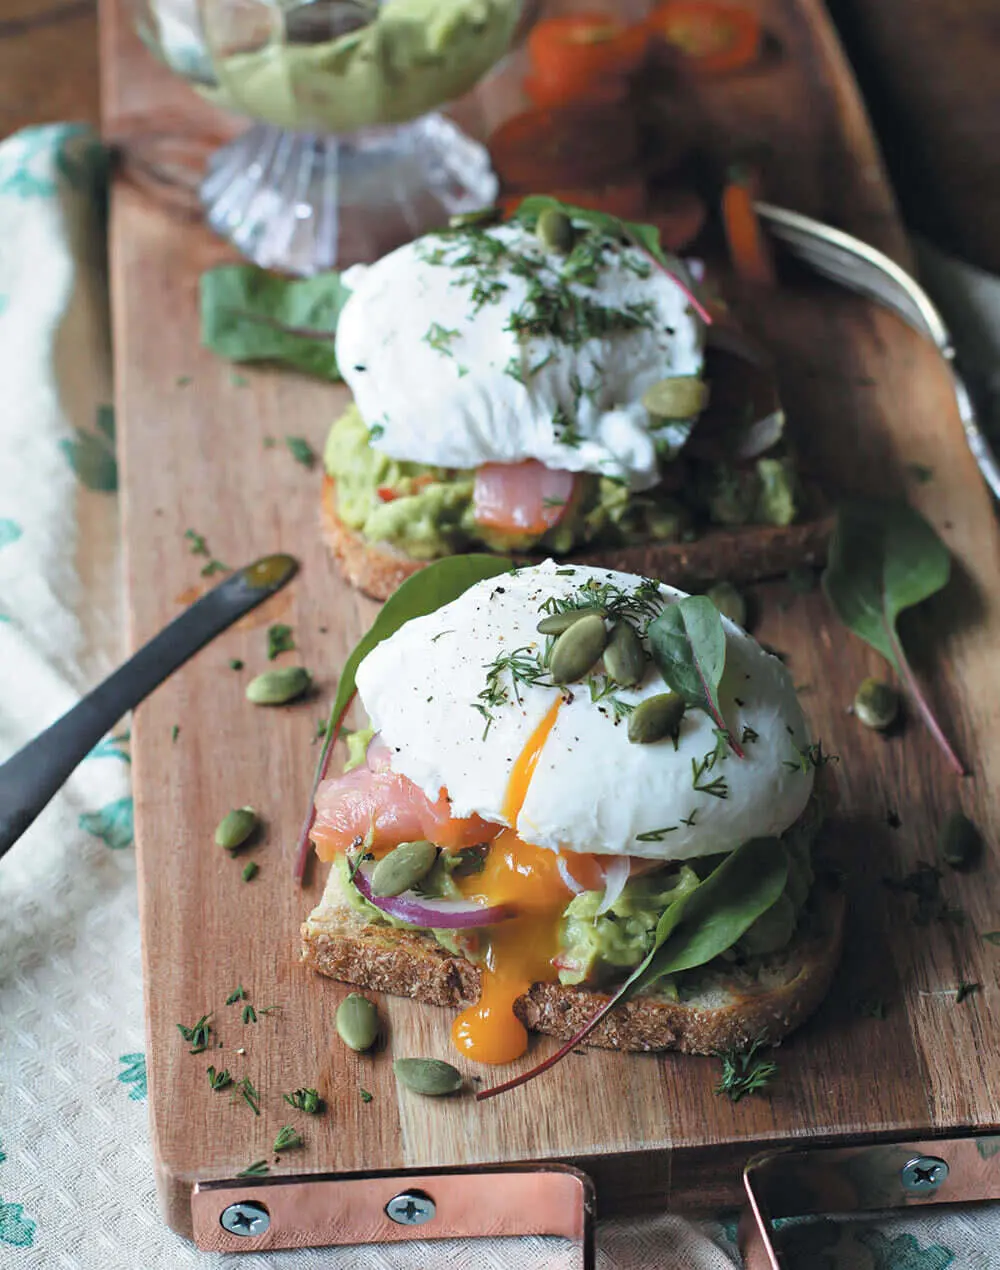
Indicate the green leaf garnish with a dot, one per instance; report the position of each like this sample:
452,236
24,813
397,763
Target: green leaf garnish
288,1137
250,315
688,644
425,592
279,640
197,1034
219,1080
745,1072
307,1100
885,558
698,926
301,451
258,1169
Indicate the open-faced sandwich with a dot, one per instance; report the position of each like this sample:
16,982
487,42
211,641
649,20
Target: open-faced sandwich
582,787
539,386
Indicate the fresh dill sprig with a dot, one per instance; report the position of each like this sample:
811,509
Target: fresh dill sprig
602,688
523,666
197,1035
249,1013
655,835
745,1072
245,1090
219,1080
440,337
258,1169
811,757
717,787
237,994
288,1137
636,605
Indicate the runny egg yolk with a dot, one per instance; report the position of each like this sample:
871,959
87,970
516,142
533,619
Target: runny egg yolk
521,949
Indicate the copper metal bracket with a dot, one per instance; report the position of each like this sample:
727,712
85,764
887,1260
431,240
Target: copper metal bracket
330,1209
845,1180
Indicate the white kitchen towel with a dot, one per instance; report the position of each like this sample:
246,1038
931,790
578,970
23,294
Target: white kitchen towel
76,1181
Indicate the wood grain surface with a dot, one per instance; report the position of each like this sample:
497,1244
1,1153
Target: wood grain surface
48,62
866,399
929,73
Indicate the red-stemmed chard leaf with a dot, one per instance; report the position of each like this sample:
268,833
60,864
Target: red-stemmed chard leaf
885,558
697,927
645,237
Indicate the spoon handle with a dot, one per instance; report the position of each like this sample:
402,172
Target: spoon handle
30,779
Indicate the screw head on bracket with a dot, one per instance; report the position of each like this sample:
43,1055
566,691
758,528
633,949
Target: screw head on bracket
246,1218
410,1208
923,1174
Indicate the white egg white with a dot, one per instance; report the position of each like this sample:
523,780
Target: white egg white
442,379
592,790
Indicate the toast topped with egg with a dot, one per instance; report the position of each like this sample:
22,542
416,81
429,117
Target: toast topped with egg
542,387
551,817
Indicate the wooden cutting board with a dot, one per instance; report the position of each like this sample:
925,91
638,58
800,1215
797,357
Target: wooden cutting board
867,399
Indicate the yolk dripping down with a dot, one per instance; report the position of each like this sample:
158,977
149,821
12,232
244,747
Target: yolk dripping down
521,949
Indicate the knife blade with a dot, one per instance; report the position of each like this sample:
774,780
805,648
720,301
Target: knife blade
32,776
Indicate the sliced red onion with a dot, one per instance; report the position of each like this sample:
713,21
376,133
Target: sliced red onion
378,756
615,877
568,877
435,914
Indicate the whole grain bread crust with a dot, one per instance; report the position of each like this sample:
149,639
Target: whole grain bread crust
746,554
731,1011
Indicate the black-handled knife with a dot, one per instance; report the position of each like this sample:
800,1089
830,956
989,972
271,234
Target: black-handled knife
30,779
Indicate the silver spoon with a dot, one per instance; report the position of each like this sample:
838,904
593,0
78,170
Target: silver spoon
30,779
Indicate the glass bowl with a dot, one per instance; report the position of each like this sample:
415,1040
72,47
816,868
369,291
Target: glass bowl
349,154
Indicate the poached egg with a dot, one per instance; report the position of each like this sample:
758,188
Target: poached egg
549,770
483,346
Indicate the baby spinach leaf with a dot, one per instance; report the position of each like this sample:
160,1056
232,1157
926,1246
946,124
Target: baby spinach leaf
688,644
250,315
884,558
698,926
713,916
426,591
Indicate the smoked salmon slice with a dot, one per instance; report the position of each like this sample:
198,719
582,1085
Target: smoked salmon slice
394,810
525,498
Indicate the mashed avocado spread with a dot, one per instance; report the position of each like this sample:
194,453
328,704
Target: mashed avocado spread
596,949
408,58
427,512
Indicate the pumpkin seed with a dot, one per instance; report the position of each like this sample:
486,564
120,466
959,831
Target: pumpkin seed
403,868
676,397
959,843
556,623
235,827
278,687
729,602
555,229
655,718
357,1022
479,219
428,1076
577,649
876,704
624,658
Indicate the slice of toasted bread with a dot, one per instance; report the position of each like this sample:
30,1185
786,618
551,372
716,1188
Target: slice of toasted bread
722,1007
745,554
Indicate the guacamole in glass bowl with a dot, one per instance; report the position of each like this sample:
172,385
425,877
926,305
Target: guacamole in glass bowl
348,157
340,67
